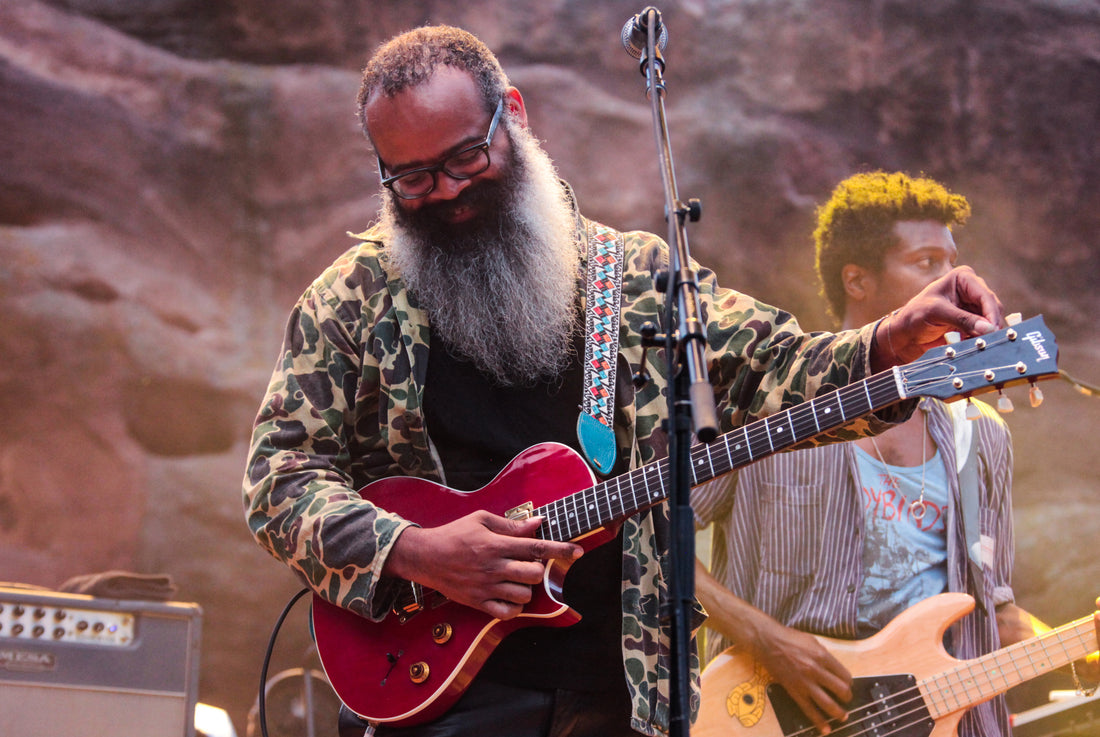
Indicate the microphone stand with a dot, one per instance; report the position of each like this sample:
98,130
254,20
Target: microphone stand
690,397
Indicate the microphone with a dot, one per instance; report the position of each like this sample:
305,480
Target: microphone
636,30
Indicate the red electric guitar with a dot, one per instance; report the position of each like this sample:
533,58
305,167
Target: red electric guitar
412,666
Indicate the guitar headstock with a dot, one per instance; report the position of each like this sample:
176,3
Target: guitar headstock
1022,352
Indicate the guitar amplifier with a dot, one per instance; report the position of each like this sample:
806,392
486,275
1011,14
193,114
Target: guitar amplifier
79,665
1073,716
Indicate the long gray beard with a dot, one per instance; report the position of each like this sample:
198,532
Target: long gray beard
504,295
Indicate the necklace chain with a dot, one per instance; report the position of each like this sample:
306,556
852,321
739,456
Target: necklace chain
917,508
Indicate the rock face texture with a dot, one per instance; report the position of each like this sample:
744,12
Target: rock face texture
174,173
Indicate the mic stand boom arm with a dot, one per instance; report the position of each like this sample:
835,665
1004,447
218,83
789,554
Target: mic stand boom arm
691,397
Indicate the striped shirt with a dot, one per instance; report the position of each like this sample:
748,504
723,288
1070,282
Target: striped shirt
788,536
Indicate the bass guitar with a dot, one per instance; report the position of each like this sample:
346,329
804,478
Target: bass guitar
904,682
414,664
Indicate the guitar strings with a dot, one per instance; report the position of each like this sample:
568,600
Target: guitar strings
804,419
860,726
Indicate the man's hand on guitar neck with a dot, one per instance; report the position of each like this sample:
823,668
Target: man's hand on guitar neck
481,560
1017,625
1087,670
1096,619
1092,662
958,301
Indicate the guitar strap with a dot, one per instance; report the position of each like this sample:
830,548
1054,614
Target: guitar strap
596,423
966,458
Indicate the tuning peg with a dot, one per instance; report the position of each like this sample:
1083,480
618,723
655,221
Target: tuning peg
1004,404
1014,318
1035,395
953,337
972,412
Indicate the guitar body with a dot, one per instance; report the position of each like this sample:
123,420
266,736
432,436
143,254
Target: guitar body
396,670
734,696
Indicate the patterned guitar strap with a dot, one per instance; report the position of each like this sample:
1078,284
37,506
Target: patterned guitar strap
595,425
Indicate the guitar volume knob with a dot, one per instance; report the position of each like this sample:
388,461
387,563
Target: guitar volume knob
442,632
419,672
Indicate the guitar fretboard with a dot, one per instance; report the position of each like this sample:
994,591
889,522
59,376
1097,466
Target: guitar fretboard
975,681
622,496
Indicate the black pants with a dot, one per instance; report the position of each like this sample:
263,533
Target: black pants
488,709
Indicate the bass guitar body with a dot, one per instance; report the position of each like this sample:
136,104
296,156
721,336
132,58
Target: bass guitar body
739,698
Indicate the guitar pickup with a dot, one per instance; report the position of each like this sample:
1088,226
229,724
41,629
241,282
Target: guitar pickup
410,603
415,600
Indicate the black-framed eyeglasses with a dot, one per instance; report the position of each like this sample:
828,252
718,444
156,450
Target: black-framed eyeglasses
469,162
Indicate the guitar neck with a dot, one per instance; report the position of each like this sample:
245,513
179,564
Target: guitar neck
980,679
618,498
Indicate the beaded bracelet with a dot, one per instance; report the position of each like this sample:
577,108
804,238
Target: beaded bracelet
889,339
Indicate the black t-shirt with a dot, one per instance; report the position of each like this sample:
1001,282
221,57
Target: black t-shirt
478,427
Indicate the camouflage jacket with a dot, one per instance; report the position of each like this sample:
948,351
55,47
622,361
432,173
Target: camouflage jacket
344,408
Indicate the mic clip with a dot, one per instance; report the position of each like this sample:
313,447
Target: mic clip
648,330
635,35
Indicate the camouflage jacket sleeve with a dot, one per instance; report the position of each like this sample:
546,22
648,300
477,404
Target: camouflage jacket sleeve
335,418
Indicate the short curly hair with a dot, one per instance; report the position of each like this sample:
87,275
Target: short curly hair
856,225
411,59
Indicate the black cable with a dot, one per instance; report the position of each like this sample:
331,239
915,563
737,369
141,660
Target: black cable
262,700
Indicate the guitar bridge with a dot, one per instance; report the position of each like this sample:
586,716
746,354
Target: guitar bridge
523,511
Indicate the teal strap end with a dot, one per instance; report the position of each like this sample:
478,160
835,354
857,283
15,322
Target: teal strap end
597,441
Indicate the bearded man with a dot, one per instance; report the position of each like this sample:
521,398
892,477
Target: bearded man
449,339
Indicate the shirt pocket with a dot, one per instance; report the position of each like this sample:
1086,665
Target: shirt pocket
792,526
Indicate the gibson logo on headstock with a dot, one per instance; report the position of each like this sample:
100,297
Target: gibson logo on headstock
1036,339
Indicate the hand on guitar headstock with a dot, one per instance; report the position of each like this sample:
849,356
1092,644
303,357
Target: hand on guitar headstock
481,560
960,301
1086,672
